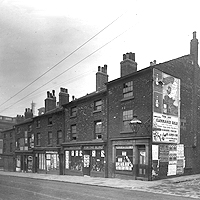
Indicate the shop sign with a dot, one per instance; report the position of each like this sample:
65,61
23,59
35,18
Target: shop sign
124,147
51,152
92,147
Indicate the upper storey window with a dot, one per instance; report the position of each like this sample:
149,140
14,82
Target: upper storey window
128,89
73,112
98,105
50,122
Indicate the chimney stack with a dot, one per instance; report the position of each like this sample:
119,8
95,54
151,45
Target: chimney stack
50,101
128,65
101,78
28,113
63,96
194,47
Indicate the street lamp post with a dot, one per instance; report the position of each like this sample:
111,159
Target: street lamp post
135,124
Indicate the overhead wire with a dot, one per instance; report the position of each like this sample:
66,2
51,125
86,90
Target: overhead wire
64,58
70,67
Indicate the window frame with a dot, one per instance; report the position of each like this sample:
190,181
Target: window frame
29,127
50,139
38,123
73,130
59,137
38,139
98,129
98,107
128,89
127,116
73,111
50,121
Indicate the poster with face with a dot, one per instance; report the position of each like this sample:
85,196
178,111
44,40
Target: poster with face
166,109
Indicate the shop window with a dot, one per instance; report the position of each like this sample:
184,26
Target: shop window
73,132
38,124
73,160
98,129
42,162
52,161
98,105
73,112
59,137
124,158
50,138
38,139
98,160
50,122
127,117
128,89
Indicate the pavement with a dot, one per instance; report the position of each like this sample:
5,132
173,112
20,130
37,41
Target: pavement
186,186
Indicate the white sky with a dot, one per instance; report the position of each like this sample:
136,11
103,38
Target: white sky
35,35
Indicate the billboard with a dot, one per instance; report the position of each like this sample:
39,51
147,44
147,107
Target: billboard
166,108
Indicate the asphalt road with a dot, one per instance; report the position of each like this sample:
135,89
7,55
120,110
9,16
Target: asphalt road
18,188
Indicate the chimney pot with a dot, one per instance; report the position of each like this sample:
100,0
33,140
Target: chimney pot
53,92
105,69
99,68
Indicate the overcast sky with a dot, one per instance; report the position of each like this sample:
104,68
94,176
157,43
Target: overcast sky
36,35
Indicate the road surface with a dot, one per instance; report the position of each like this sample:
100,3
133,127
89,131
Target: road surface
20,188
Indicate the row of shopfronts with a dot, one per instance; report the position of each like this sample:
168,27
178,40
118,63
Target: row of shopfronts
89,160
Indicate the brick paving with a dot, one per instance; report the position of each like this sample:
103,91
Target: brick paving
189,188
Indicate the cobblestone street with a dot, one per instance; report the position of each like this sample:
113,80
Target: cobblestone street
189,188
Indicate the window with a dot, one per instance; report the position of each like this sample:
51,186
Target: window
50,138
38,123
4,147
38,139
50,121
98,105
18,143
73,132
18,130
127,117
128,89
73,112
98,129
59,137
10,134
4,135
29,127
11,149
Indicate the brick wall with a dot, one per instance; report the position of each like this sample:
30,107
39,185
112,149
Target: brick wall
85,118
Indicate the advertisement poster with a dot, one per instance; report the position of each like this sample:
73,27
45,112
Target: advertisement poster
124,158
166,108
154,152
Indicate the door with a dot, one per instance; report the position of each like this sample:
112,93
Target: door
86,163
142,167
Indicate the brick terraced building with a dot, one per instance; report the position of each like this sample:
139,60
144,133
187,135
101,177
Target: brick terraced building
143,125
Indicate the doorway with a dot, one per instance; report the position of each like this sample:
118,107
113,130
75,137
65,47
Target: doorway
142,167
87,163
